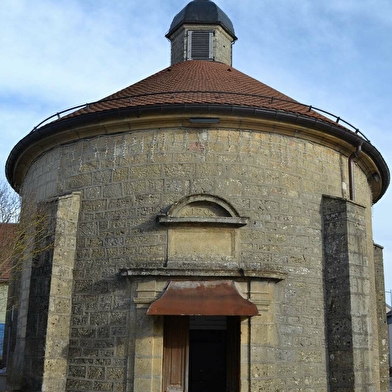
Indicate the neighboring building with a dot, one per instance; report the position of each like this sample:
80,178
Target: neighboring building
209,234
8,232
389,322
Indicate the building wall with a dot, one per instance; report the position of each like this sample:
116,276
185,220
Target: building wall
381,319
3,308
127,179
3,301
352,336
40,306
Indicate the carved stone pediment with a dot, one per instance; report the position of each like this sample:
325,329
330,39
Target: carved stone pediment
202,230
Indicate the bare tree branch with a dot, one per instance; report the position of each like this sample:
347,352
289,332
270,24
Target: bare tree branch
25,234
9,204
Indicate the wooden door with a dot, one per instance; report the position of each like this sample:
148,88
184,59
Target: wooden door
175,354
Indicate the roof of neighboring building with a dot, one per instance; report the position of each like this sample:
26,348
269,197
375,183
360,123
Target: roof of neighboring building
202,12
7,235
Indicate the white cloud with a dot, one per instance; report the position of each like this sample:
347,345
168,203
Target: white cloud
62,52
336,55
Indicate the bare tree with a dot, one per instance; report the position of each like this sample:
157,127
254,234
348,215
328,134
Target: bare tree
26,248
9,204
25,231
9,214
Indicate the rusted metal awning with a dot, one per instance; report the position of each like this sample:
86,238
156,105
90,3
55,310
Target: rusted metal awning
202,298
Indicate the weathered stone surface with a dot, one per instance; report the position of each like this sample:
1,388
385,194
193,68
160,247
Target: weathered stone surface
314,331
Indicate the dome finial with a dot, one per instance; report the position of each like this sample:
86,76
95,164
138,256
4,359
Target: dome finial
202,12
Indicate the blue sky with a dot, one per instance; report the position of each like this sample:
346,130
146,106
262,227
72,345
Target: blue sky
336,55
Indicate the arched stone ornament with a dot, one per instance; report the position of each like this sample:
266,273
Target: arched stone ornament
202,232
203,209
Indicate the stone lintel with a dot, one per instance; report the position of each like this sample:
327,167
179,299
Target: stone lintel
205,273
218,221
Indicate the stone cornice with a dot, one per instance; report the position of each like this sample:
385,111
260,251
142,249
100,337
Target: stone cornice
240,274
68,130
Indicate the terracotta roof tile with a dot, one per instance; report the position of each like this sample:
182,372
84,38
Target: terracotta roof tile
203,82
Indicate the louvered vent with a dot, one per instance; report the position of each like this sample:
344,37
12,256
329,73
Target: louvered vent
200,45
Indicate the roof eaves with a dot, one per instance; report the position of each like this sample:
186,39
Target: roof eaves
198,22
137,111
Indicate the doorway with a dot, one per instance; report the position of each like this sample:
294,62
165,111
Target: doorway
207,354
201,354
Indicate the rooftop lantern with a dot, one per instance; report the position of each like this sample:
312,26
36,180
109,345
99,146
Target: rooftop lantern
201,31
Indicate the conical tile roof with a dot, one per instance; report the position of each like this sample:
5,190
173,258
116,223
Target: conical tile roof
192,87
199,82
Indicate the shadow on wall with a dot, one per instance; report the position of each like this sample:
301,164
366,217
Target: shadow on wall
101,334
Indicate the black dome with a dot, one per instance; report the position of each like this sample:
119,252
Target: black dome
202,12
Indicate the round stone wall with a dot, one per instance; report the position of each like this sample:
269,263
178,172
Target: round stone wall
127,180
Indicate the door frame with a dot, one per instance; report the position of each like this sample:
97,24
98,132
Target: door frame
176,354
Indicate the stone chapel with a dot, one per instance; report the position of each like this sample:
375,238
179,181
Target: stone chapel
203,233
